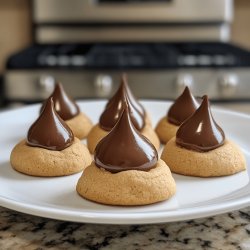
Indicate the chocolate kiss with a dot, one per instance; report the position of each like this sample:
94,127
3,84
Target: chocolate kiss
115,106
131,97
200,132
183,107
49,130
124,148
64,105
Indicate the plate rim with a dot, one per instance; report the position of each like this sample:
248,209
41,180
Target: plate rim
127,219
98,217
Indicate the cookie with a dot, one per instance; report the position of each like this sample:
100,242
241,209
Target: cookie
165,130
80,125
126,170
201,148
127,188
37,161
94,136
225,160
148,119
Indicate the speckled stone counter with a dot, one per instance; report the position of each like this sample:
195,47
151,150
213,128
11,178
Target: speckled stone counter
226,231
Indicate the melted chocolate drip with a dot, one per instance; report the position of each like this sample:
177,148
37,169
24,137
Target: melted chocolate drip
115,106
200,132
183,107
64,105
49,130
124,148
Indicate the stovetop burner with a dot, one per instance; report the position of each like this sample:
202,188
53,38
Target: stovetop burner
130,56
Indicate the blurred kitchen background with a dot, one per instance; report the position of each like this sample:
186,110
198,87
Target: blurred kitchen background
163,45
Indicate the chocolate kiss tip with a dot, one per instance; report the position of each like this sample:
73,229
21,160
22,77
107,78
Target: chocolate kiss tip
124,80
64,105
125,149
48,106
49,131
124,76
49,102
205,98
58,86
200,132
183,107
133,100
115,105
187,92
186,89
205,102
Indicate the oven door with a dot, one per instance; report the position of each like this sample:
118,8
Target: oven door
132,11
64,21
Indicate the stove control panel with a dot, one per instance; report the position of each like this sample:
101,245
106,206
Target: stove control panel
103,85
46,84
221,84
183,80
229,84
155,70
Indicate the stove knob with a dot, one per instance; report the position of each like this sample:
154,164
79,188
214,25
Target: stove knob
184,80
46,85
228,84
103,85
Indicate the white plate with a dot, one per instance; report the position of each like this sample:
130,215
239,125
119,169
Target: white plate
56,197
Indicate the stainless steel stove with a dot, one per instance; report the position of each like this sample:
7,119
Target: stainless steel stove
162,45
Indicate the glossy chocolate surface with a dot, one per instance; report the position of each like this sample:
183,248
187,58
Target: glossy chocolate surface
115,106
134,102
64,105
183,107
124,148
200,132
49,130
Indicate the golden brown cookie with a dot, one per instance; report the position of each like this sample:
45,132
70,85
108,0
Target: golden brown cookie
43,162
80,125
97,133
148,119
225,160
94,136
127,188
165,130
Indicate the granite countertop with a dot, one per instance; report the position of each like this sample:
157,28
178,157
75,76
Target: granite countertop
226,231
